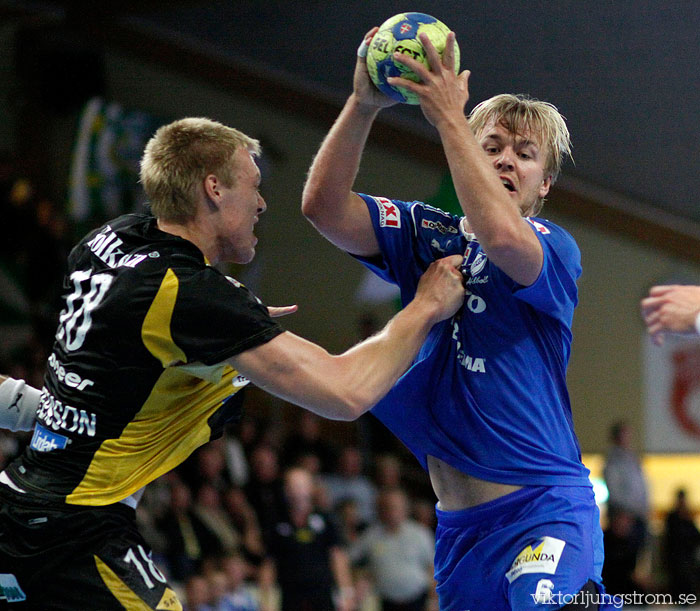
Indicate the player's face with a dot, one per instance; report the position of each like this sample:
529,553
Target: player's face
520,163
241,206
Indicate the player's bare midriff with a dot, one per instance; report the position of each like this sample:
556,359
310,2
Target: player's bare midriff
456,490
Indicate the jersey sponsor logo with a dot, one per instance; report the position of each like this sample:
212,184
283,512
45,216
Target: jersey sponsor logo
474,261
47,441
474,364
478,264
437,226
69,378
169,601
478,280
105,246
56,415
389,215
543,558
539,226
10,590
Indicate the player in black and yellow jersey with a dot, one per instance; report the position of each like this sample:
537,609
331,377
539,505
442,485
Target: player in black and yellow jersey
152,349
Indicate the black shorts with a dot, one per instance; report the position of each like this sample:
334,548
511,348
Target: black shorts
71,559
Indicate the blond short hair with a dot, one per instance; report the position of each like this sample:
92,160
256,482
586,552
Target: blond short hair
521,114
181,155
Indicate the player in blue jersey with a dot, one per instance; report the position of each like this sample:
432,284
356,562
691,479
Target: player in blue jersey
484,408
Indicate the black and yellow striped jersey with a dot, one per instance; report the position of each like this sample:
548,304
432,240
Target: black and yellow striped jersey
136,380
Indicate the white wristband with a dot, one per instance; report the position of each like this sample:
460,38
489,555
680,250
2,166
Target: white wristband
697,324
362,49
19,403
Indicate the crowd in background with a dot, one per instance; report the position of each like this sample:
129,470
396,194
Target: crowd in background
278,514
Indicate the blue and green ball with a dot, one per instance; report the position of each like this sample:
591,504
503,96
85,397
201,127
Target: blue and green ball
400,34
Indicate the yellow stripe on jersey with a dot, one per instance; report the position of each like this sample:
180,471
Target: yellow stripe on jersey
155,332
170,425
122,592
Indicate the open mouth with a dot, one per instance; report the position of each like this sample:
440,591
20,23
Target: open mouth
508,185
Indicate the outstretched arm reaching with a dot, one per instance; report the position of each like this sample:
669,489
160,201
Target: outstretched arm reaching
345,386
672,308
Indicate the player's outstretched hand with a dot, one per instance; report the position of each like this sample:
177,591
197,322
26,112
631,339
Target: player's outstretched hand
672,308
441,287
442,93
363,88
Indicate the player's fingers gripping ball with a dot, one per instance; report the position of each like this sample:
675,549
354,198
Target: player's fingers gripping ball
400,34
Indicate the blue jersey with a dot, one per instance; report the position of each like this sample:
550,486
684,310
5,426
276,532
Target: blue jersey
487,392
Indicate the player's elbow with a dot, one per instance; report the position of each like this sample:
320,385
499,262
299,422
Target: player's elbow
311,202
350,406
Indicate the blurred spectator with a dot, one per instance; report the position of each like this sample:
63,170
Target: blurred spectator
423,512
309,461
218,591
387,471
264,490
681,546
306,550
188,539
620,554
626,484
240,595
211,465
244,518
351,526
236,459
399,552
197,594
215,518
349,482
305,440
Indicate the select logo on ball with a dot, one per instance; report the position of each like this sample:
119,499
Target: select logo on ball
399,34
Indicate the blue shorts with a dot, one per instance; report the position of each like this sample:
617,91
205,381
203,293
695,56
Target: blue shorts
532,549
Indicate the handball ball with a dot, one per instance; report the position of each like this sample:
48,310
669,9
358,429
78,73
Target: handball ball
400,34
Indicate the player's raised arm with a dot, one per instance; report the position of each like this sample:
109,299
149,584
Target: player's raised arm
500,175
328,200
345,386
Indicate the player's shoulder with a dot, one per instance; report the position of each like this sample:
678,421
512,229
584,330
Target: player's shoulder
134,242
552,231
394,213
558,240
547,227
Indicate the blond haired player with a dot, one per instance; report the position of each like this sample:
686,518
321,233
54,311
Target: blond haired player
485,407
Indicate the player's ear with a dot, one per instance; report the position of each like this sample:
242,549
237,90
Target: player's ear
545,186
212,189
